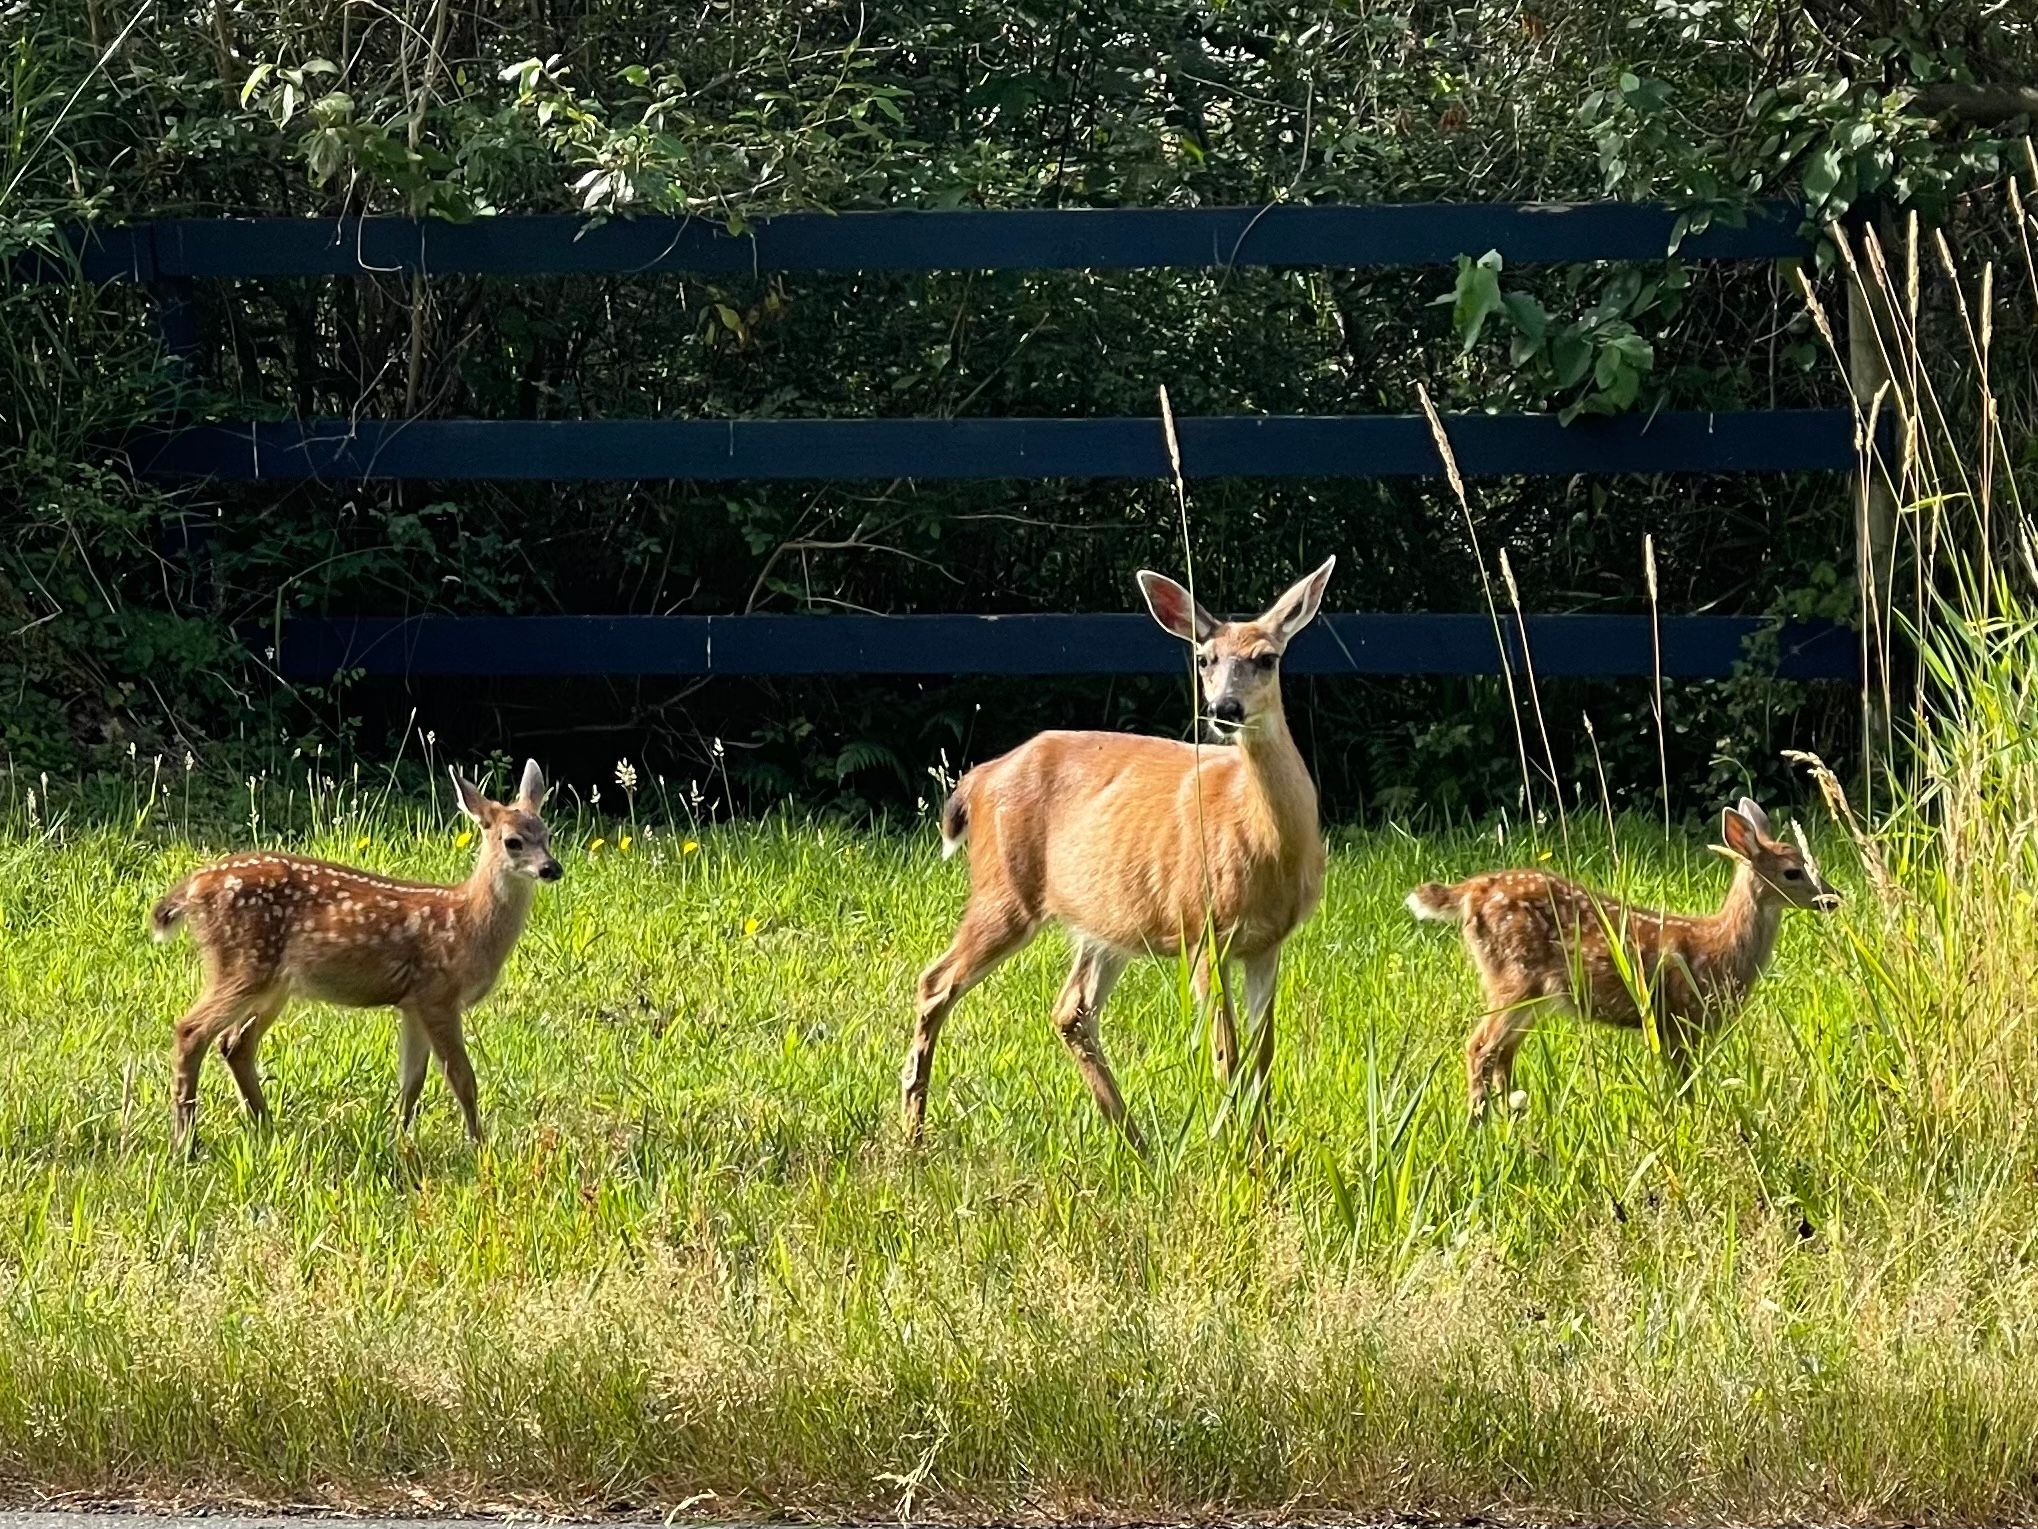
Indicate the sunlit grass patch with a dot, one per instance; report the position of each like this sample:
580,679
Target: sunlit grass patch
696,1258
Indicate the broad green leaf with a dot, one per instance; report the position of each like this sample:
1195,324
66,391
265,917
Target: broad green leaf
1821,175
1528,316
1477,297
1570,357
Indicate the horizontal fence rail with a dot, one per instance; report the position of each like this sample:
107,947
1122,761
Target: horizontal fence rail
313,648
1243,446
1122,238
172,254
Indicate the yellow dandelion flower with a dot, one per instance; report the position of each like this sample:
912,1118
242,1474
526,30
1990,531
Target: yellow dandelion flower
750,925
463,838
1545,855
595,848
691,847
360,844
623,845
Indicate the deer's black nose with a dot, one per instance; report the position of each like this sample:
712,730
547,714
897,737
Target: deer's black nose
1227,709
550,871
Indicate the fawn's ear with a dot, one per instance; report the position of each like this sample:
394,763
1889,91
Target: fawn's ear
1756,816
531,794
1298,607
1175,609
1740,834
472,800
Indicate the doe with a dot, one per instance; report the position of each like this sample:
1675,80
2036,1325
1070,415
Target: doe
1143,845
272,927
1541,942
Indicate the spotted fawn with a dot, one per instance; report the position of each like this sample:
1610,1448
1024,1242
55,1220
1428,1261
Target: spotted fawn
1541,943
272,927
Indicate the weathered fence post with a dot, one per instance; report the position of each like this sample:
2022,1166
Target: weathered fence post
1871,331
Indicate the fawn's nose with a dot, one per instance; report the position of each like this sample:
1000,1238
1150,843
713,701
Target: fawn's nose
1826,902
550,871
1228,709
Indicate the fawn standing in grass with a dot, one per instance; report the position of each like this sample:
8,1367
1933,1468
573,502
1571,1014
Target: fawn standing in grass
274,927
1143,846
1541,942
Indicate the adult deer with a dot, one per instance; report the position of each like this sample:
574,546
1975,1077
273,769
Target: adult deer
1541,942
272,927
1143,846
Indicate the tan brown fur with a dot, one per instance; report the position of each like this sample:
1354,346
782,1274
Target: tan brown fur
1541,942
1143,846
272,927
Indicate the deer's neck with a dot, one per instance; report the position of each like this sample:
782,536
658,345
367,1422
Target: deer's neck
1744,930
1283,796
496,902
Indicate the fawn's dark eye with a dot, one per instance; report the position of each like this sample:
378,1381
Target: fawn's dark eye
1792,873
1264,662
513,843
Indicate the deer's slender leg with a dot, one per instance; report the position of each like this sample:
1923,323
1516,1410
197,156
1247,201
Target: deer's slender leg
219,1006
1512,1009
1096,971
1213,1001
239,1048
986,937
1681,1035
441,1026
1262,977
413,1056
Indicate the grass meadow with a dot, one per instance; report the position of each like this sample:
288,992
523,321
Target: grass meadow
696,1267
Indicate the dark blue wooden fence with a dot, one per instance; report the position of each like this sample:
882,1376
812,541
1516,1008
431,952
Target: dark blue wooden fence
1282,446
170,254
1694,647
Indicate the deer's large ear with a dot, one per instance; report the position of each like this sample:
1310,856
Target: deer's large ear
1740,834
1175,609
1756,816
531,794
1298,607
473,801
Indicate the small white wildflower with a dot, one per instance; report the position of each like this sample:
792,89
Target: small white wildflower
626,775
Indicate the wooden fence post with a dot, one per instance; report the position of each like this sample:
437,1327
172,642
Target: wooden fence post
1870,332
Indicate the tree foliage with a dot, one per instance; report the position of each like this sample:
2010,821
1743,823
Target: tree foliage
128,606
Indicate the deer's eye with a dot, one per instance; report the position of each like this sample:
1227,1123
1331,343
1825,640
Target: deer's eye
1792,873
513,844
1264,662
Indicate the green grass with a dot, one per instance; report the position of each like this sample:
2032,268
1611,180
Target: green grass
695,1263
